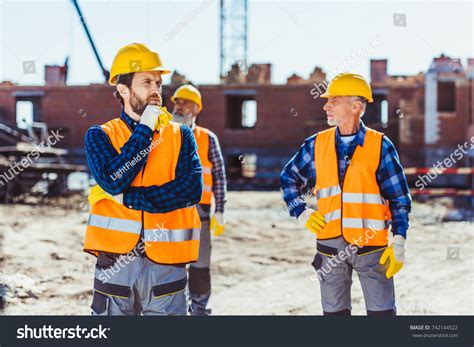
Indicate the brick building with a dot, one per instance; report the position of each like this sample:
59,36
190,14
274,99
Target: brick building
260,125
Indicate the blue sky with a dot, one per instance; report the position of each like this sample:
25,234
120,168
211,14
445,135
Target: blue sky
293,36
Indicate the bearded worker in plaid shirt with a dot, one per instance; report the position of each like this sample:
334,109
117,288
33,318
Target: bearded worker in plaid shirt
143,226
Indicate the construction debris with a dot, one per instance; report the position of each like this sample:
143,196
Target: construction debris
246,268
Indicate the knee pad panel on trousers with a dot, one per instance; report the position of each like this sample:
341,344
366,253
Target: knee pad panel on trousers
199,280
99,303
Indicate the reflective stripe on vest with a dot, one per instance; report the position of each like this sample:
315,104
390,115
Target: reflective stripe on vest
329,191
362,198
356,211
176,235
364,223
202,139
123,225
332,216
115,228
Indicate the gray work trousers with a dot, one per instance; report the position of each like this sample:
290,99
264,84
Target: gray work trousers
334,264
134,285
199,272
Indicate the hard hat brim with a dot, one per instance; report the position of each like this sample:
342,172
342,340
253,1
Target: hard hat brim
161,69
326,95
173,100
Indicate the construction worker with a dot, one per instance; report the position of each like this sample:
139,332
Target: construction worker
187,106
143,224
360,189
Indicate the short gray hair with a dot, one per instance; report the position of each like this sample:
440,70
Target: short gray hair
363,101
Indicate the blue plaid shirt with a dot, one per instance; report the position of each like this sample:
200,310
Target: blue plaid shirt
219,181
299,176
104,163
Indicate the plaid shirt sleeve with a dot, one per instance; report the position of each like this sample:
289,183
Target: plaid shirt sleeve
393,187
219,183
185,190
106,164
298,176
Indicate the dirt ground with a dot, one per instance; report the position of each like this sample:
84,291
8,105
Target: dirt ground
260,266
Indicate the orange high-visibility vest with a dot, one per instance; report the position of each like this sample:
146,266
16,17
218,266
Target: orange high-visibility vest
169,238
202,139
355,208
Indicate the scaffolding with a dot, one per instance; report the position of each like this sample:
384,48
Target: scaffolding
233,35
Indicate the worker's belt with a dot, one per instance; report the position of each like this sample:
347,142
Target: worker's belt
169,288
111,289
331,251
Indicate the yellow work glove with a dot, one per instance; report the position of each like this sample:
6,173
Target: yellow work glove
218,224
395,255
163,119
97,193
155,117
312,220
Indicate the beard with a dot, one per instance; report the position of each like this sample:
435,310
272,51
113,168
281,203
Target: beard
183,118
332,122
337,121
138,105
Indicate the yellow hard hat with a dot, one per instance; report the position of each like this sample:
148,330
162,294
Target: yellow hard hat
135,57
349,84
188,92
